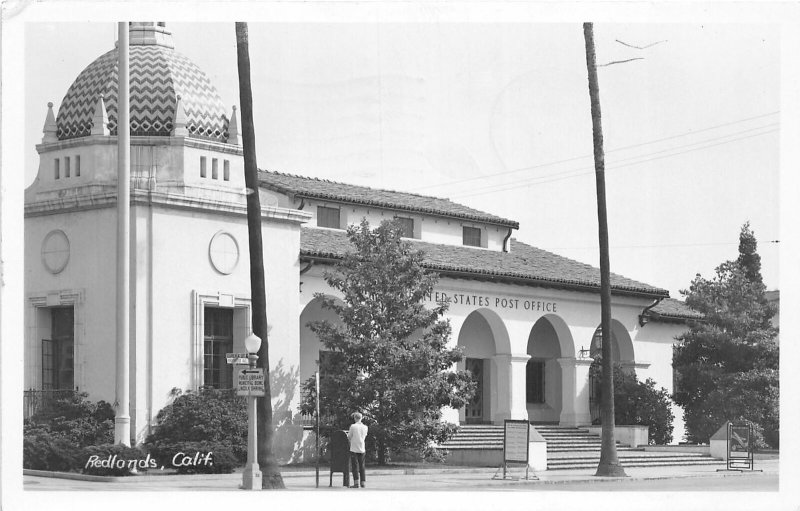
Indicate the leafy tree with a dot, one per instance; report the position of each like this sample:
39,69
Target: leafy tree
727,364
749,260
389,357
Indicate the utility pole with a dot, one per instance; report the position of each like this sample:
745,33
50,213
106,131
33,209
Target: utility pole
609,465
122,417
270,475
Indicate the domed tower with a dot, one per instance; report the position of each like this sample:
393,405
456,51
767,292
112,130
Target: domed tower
182,138
189,271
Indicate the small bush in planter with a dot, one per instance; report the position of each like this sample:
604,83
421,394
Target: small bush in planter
115,460
639,403
195,457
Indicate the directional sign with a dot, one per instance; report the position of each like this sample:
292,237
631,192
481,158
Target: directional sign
250,382
237,358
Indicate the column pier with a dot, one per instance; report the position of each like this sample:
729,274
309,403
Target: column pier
575,391
510,380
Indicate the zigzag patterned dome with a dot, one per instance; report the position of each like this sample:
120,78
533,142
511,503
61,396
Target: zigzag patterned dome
158,75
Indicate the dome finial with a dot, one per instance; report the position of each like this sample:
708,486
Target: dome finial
50,129
148,33
100,118
233,128
179,124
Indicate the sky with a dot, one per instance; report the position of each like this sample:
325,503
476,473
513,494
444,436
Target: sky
496,116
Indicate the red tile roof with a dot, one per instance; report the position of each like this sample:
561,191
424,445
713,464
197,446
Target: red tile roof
672,309
314,188
524,264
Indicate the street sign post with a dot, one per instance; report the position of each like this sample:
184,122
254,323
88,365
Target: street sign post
250,382
237,358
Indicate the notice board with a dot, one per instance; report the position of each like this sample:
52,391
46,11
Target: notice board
740,446
516,435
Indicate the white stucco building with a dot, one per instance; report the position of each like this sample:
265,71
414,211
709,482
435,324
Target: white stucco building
526,318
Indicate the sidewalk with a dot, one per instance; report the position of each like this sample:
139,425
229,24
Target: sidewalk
428,479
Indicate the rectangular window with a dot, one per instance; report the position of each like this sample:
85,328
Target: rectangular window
217,341
328,217
214,169
57,167
226,170
77,166
472,236
534,381
66,166
58,353
202,166
407,226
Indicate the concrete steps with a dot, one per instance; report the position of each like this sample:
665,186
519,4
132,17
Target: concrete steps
567,448
633,459
476,437
568,439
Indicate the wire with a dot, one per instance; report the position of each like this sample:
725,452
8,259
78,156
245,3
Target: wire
667,245
557,162
584,170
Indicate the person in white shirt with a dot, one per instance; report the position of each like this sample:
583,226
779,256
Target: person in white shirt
357,434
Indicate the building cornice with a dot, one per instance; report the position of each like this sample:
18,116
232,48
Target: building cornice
108,199
195,143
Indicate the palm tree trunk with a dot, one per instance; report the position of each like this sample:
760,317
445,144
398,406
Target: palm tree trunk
270,474
609,462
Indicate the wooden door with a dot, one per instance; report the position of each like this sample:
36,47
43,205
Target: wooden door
473,411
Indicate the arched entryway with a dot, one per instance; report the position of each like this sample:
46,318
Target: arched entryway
482,336
622,356
310,346
543,374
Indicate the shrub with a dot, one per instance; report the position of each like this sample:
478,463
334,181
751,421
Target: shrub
54,436
77,419
114,460
44,450
195,457
640,403
432,454
214,417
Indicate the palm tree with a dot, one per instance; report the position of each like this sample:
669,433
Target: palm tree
609,462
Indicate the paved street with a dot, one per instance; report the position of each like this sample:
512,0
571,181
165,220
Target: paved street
685,478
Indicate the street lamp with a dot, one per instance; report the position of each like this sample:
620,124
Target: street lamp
251,477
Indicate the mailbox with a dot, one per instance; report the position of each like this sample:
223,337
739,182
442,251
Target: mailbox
340,456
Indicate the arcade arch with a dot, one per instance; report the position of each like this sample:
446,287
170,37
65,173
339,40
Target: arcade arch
310,345
621,344
549,340
622,356
483,337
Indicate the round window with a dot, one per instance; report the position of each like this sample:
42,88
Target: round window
224,252
55,251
